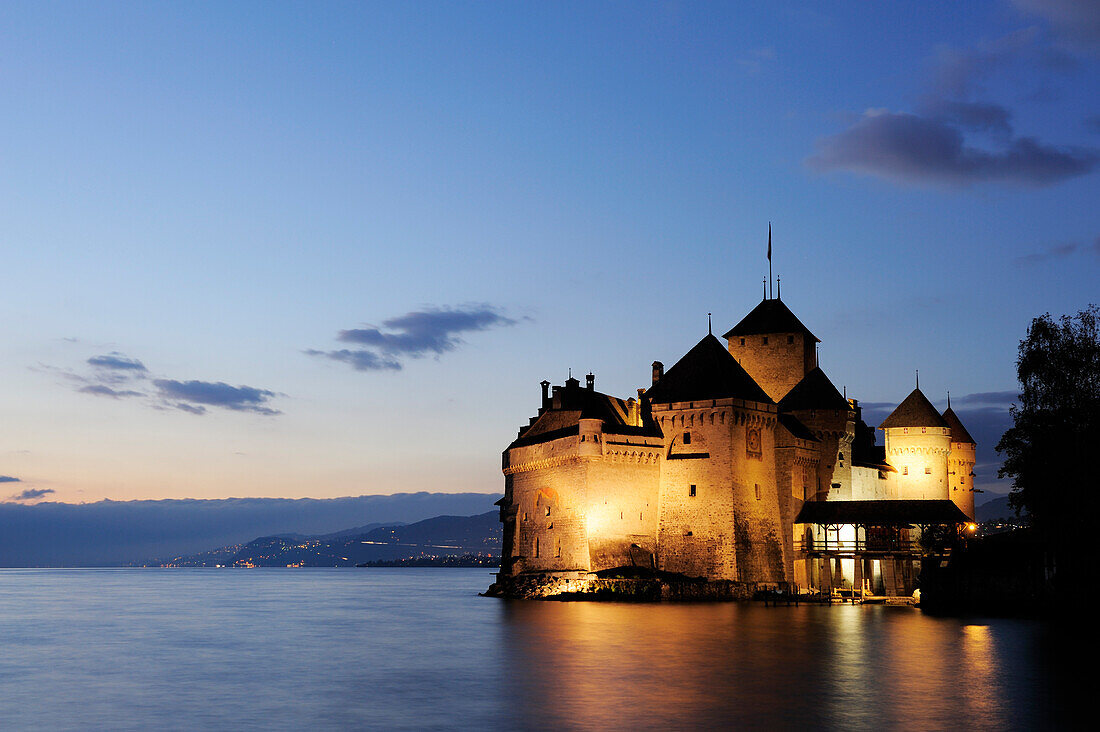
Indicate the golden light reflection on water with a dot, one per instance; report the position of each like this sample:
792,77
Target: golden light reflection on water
616,666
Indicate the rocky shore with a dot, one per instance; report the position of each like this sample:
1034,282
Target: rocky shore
648,587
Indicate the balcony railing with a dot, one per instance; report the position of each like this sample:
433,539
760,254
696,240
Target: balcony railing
862,546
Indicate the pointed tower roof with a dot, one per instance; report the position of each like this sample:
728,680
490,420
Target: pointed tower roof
914,411
815,391
707,371
770,316
958,432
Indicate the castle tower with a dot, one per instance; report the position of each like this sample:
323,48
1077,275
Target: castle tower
817,404
719,509
918,441
960,464
774,347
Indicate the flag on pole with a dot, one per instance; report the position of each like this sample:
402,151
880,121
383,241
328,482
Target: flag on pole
769,241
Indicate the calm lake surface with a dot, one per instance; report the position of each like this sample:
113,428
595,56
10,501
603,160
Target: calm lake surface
304,649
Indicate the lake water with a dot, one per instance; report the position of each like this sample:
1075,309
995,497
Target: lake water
418,649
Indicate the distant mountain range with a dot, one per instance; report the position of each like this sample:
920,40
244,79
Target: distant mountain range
434,538
119,533
995,508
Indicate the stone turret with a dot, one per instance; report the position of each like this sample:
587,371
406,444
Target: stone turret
918,441
774,347
960,463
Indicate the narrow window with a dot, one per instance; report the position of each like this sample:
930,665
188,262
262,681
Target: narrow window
691,490
905,470
765,340
757,491
962,480
524,515
790,339
536,547
928,471
841,456
742,341
547,510
687,438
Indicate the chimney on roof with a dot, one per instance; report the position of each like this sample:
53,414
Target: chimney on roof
658,371
590,381
545,393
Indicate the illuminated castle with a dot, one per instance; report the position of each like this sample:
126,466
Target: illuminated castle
740,462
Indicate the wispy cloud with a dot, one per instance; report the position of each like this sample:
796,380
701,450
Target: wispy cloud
1075,22
935,145
31,494
195,396
987,398
116,361
1060,251
116,376
9,479
913,149
412,335
107,391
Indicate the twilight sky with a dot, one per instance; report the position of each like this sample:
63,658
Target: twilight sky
325,249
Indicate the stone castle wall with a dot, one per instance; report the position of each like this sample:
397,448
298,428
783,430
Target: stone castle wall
777,361
920,456
731,528
960,465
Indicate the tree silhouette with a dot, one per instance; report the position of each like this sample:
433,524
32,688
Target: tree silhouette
1051,449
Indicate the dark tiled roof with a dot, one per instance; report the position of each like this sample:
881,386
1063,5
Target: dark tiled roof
915,411
579,403
865,453
881,512
815,391
796,428
707,371
958,432
770,316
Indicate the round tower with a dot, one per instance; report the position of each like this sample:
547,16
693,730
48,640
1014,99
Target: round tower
960,463
918,442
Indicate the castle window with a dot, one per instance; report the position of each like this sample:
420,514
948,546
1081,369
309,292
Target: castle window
687,533
962,480
758,491
524,515
691,490
559,548
547,510
742,341
928,471
687,438
905,470
790,339
765,340
841,456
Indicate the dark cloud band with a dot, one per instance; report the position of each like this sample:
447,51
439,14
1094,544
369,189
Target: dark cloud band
413,335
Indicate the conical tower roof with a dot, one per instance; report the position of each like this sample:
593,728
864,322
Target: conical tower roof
914,411
770,316
707,371
815,391
958,432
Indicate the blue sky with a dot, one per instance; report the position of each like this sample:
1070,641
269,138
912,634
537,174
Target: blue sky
210,212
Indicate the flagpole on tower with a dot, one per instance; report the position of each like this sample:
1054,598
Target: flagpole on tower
769,259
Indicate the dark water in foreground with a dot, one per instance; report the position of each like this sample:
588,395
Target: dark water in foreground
418,649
